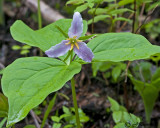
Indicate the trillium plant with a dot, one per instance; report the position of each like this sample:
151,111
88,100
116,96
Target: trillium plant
28,81
72,43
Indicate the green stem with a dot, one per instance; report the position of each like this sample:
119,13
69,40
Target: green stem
69,54
50,106
75,102
1,13
93,18
39,15
39,23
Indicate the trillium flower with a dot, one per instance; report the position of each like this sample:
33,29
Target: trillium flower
72,43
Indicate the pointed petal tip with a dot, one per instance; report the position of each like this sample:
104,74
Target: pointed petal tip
76,28
58,50
84,52
77,13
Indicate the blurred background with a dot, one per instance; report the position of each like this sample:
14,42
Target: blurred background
123,81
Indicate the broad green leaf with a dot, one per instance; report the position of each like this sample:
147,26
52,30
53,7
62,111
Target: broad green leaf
3,106
98,18
28,81
117,115
114,104
45,37
121,47
149,94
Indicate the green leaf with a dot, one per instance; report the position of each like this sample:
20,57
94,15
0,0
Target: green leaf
26,47
99,11
56,125
116,73
121,47
125,2
55,119
45,37
49,108
117,115
35,79
122,19
131,119
3,122
114,104
149,94
120,11
16,47
98,18
81,8
75,2
88,37
24,52
3,106
120,125
156,75
29,126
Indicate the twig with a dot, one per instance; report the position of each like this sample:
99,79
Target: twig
126,71
134,17
34,118
93,18
49,14
149,14
125,85
124,24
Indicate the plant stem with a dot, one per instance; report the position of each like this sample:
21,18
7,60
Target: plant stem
39,15
1,13
75,102
93,18
50,106
134,17
39,23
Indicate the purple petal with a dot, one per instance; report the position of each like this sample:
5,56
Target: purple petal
59,49
84,52
76,28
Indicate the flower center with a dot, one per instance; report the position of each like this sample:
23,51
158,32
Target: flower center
73,41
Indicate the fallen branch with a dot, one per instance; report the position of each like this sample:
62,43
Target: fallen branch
49,14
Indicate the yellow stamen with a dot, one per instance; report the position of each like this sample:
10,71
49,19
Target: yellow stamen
67,43
72,45
77,45
79,40
75,37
